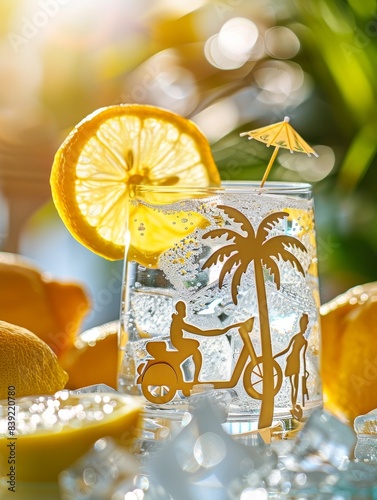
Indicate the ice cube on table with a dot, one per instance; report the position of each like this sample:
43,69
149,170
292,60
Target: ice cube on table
357,481
366,429
94,389
95,475
220,399
203,461
366,424
323,440
359,477
366,448
257,474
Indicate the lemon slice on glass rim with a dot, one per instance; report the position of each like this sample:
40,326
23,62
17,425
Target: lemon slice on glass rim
111,151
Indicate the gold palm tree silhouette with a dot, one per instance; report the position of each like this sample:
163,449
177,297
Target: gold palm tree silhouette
243,249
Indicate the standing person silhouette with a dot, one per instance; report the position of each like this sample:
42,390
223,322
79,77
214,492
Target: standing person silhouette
296,358
187,346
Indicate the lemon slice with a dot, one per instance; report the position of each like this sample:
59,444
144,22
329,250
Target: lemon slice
51,432
114,149
153,232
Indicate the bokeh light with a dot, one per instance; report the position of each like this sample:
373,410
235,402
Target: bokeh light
310,168
162,81
281,42
209,450
254,494
228,65
237,38
218,120
279,81
232,47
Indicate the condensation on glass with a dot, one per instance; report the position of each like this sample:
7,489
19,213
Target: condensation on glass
221,290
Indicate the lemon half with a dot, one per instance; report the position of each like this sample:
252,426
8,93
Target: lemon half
54,431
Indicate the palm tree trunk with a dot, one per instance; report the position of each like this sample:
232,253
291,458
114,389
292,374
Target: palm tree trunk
267,406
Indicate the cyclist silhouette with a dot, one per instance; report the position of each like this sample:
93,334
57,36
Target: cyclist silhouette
187,346
297,350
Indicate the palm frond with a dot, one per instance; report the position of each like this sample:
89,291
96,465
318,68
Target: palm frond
236,281
217,233
219,255
289,257
240,218
288,241
227,267
273,269
267,224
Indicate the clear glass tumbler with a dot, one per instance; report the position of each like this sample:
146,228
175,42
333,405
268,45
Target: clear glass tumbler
221,290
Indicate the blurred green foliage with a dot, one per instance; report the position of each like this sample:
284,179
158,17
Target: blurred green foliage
338,51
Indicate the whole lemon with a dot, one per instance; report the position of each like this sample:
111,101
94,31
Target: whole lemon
51,309
27,364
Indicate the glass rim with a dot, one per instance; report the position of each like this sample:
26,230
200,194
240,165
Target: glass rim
270,187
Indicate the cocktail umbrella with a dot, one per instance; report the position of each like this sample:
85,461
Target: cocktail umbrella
280,135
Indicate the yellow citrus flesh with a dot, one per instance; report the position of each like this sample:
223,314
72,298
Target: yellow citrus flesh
93,358
303,226
27,363
153,231
54,431
349,352
53,310
111,151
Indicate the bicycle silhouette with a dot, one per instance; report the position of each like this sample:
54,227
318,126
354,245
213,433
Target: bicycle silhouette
162,375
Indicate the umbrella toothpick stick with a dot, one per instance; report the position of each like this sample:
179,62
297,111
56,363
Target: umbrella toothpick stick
280,135
269,166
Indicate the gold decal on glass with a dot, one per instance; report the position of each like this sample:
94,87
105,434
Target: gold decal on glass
162,374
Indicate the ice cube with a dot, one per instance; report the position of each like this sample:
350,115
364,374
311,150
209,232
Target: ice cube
256,472
366,424
366,430
354,481
220,399
323,440
149,439
366,448
93,389
359,477
313,484
203,460
95,475
142,488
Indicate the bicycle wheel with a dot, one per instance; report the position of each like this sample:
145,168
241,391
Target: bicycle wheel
253,378
159,383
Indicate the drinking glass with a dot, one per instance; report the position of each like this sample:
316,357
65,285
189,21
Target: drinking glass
221,290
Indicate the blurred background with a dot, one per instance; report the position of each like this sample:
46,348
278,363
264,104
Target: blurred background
229,65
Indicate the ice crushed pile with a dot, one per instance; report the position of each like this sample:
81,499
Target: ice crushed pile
203,462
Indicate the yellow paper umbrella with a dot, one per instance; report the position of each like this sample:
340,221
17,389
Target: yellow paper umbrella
280,135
